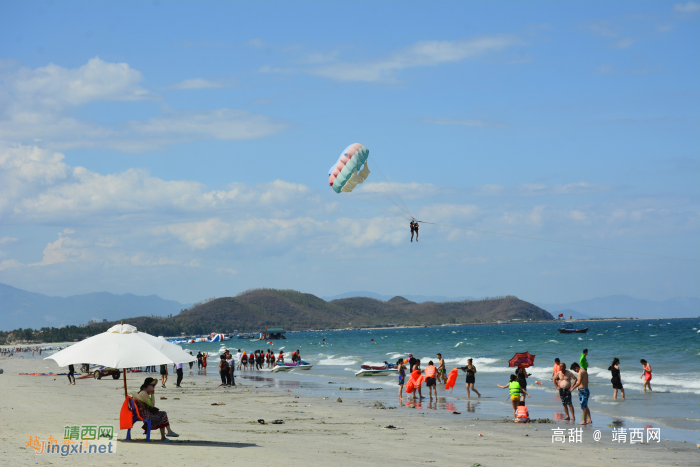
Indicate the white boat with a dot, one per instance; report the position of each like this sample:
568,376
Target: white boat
302,365
383,370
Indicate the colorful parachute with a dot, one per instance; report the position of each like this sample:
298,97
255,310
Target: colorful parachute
345,174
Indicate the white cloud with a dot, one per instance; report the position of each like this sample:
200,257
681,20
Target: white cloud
411,190
221,124
37,186
530,189
36,104
53,86
10,263
198,83
689,7
623,43
464,122
231,271
600,28
420,54
200,234
6,240
60,251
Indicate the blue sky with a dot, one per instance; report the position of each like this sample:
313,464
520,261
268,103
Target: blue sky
182,148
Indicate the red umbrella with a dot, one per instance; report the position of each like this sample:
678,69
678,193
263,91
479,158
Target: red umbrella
522,360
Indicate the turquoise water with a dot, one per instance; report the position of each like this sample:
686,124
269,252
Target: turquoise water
672,348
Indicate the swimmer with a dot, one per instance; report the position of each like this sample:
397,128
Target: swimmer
646,375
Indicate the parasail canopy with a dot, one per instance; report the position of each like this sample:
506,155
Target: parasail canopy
347,173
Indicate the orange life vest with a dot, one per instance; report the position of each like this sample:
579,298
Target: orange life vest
522,412
430,371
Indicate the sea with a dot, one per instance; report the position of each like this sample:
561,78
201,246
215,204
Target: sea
671,346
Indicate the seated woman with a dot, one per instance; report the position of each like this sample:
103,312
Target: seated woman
158,418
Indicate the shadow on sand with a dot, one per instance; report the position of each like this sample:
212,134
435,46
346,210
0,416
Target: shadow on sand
184,442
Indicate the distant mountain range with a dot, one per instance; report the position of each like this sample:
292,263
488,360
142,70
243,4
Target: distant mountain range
624,306
22,309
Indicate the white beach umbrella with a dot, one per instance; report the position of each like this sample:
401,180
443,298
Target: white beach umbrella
122,346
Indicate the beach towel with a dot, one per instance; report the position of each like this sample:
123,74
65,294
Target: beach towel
451,379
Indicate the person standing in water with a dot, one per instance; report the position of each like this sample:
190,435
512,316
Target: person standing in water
430,379
583,362
646,375
616,380
470,369
522,375
563,382
515,392
555,370
441,370
583,392
402,376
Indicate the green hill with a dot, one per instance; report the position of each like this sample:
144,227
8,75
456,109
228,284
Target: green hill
253,310
295,311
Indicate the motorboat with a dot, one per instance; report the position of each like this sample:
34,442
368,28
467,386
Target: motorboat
300,365
383,370
572,331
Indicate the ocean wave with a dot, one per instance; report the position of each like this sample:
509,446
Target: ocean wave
393,355
552,340
458,344
345,360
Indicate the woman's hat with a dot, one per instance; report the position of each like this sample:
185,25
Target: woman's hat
150,382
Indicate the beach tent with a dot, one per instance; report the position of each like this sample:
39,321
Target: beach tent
122,346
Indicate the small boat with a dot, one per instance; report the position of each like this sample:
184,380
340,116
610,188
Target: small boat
386,369
571,331
301,365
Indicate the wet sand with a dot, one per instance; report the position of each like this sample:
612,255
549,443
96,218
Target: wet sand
316,431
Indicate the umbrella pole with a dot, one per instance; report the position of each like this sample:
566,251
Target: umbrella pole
125,393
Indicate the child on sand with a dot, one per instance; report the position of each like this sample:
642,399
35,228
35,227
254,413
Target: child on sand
419,380
522,415
515,391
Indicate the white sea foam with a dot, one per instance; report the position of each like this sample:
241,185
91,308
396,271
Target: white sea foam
393,355
458,344
552,340
340,361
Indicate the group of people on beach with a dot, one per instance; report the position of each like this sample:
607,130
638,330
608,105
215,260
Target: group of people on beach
431,376
258,359
412,376
11,351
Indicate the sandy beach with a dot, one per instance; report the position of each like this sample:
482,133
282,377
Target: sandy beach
316,431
